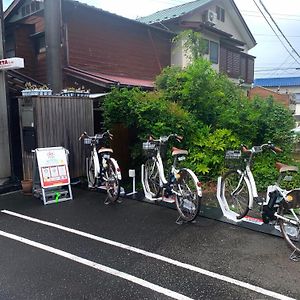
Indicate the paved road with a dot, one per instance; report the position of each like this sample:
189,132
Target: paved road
44,261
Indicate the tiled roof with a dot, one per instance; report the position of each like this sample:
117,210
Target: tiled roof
173,12
279,81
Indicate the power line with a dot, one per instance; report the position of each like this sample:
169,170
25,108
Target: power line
275,31
281,18
275,14
279,29
264,34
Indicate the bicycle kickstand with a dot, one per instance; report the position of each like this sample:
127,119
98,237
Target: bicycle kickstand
107,201
295,256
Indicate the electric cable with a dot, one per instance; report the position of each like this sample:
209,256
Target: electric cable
279,29
275,32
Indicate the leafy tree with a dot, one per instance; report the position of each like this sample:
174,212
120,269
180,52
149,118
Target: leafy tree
193,44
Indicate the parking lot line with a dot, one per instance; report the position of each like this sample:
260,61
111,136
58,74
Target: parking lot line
155,256
97,266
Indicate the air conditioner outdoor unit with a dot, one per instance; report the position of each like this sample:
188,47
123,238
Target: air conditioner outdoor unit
209,17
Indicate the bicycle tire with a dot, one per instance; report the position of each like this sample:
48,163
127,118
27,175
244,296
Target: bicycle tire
112,182
187,198
239,201
151,178
90,172
290,232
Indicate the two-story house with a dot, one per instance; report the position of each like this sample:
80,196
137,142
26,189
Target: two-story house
222,27
85,45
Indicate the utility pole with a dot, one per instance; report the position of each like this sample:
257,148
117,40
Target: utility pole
5,163
53,22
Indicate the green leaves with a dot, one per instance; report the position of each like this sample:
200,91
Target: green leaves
212,114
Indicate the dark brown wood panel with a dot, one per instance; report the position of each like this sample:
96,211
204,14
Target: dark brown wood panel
108,44
25,48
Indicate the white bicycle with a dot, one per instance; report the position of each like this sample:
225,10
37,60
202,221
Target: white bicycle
182,183
280,206
101,168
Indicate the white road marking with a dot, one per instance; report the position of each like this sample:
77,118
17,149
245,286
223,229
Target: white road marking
242,284
97,266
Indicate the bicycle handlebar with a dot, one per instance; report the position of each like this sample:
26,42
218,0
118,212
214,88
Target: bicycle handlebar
258,149
164,139
97,136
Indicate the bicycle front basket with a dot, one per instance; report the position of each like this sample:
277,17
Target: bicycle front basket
149,149
233,159
87,141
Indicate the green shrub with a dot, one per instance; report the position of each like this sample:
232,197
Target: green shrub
212,114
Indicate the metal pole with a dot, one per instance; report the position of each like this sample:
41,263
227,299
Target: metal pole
5,165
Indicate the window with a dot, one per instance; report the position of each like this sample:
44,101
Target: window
214,52
205,46
10,48
40,44
220,13
28,9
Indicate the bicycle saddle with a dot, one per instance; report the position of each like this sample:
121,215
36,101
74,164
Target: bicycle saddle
102,150
176,151
285,168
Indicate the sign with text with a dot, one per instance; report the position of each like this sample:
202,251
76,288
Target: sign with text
53,166
11,63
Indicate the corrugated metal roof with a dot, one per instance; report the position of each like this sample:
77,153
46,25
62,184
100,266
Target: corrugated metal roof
173,12
107,79
279,81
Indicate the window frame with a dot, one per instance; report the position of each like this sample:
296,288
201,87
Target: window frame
214,57
220,13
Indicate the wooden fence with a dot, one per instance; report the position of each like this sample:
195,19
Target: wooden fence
56,121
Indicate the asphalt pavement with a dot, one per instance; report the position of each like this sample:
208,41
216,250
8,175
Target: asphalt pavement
84,249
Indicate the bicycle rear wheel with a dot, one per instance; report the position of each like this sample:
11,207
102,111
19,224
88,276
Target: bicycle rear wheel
151,178
90,172
112,182
187,199
236,191
289,221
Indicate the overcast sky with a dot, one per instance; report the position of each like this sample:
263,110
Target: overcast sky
270,54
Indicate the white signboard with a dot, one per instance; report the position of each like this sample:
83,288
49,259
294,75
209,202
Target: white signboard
11,63
53,166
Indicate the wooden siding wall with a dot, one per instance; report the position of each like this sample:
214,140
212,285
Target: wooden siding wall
59,121
35,64
236,64
25,48
108,44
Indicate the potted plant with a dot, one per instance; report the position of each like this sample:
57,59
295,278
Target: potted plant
33,90
27,185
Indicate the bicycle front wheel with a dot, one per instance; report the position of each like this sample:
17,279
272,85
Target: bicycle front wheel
289,221
151,178
112,182
90,172
237,193
187,199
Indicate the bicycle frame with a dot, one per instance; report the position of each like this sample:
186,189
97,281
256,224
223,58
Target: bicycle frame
174,171
94,154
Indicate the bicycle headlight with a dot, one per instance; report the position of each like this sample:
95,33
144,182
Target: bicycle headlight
292,199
